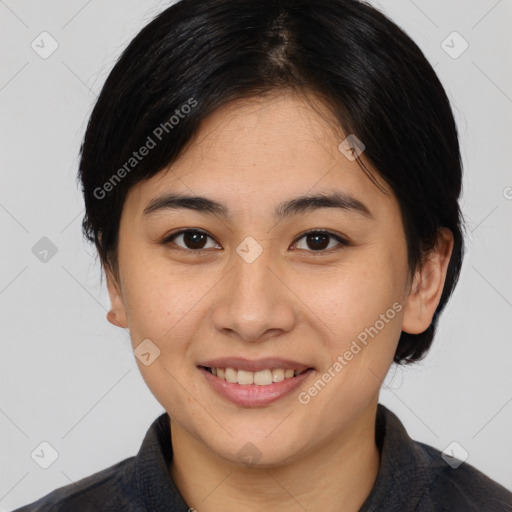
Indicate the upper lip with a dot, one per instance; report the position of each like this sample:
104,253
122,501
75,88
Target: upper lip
254,365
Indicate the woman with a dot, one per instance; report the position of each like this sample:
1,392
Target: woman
272,188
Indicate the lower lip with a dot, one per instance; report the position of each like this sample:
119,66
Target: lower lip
252,395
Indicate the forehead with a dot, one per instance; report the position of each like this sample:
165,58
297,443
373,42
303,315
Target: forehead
261,151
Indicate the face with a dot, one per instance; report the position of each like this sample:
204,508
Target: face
249,284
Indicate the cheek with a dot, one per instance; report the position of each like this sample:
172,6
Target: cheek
164,303
355,296
165,307
363,306
363,309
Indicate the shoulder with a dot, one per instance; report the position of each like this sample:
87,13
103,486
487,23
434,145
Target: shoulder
414,477
461,487
107,490
131,485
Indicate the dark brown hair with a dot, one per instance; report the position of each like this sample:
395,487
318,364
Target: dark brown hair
375,79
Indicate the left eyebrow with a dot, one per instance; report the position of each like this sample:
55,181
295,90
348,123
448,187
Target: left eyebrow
295,206
335,199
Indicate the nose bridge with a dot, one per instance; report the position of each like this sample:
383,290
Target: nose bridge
251,273
254,300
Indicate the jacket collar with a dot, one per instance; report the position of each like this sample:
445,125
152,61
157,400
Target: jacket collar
403,472
405,469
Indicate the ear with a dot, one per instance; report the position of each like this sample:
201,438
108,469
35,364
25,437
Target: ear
427,285
117,313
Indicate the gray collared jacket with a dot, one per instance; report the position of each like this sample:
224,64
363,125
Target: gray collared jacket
413,477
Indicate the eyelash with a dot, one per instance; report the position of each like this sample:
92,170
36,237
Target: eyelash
340,239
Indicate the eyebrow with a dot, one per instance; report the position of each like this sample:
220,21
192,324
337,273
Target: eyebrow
297,205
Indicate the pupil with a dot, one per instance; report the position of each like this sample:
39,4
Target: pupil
191,239
316,238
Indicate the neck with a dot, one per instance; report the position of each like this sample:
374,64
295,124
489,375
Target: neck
337,475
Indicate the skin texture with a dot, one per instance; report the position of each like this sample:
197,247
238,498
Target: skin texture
293,302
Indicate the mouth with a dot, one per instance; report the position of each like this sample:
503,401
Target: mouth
261,385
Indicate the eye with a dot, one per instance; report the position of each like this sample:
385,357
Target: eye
318,241
193,239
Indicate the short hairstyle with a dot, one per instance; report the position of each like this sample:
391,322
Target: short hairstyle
198,55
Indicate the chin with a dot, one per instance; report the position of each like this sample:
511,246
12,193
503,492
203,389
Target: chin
258,451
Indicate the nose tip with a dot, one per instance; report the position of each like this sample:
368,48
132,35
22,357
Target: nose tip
254,303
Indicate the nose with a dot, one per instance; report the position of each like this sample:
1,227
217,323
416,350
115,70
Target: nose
255,303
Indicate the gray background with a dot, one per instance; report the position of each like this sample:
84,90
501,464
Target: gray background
69,378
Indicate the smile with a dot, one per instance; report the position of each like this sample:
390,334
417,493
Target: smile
254,389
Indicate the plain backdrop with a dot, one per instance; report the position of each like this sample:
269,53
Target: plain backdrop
69,378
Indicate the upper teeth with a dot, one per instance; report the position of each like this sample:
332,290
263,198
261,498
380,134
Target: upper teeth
261,378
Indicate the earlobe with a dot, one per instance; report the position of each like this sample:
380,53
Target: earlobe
117,314
427,286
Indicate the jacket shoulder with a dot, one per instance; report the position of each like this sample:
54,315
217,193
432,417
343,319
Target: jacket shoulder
108,490
462,488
